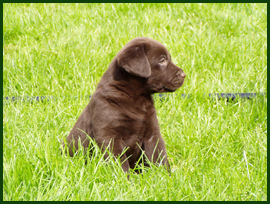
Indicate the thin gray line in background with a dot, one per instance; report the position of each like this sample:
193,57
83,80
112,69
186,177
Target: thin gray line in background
228,96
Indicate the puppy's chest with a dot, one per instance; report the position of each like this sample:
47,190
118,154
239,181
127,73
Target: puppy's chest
136,120
126,118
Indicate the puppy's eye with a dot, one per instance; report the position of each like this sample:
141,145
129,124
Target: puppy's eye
162,60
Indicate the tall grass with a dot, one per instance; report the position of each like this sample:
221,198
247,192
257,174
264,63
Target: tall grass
217,149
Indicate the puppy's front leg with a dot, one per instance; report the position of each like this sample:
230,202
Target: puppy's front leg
156,152
116,147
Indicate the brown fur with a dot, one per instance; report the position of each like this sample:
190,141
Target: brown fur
122,108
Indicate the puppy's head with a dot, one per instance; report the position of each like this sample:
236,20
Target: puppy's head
148,58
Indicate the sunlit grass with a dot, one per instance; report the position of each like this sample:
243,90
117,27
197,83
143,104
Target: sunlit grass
217,149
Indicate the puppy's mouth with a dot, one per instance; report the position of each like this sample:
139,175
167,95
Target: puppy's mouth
165,89
173,87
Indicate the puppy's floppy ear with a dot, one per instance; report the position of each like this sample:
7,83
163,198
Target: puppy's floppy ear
133,59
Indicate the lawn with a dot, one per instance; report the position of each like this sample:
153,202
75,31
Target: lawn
217,148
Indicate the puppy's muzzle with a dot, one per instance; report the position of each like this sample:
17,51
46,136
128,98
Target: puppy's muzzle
178,80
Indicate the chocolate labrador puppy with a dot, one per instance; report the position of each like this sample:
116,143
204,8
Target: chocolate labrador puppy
121,113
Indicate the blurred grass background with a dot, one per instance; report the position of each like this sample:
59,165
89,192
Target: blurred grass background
63,49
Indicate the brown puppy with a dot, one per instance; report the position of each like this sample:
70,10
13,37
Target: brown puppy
121,112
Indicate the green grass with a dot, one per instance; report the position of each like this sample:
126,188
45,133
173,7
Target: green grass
217,149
